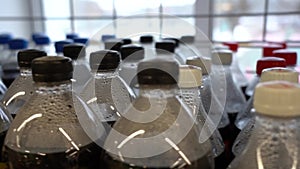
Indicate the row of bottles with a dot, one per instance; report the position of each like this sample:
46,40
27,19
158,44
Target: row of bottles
140,106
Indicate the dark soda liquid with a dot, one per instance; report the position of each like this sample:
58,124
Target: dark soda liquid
110,163
229,134
87,157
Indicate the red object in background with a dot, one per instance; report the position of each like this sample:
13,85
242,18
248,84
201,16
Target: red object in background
283,44
289,56
232,45
269,62
269,48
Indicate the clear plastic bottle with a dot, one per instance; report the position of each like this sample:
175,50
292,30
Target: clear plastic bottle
157,130
147,41
131,55
261,64
81,73
274,143
245,119
42,42
210,102
4,39
106,93
289,56
59,46
10,65
46,133
166,48
22,88
190,84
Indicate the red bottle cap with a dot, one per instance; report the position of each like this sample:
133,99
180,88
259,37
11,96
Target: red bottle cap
289,56
269,48
269,62
232,45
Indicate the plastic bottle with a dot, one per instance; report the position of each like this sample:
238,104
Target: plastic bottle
234,99
166,48
81,73
42,42
10,65
190,83
261,64
289,56
22,88
131,55
59,46
245,119
46,133
147,41
106,93
4,39
158,130
275,138
210,102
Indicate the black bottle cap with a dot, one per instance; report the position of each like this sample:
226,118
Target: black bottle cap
132,52
173,39
25,57
105,60
52,69
187,39
74,51
165,46
127,41
113,44
158,72
146,39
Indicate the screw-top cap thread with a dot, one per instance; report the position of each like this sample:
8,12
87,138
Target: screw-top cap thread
104,60
165,46
279,73
25,57
59,45
17,44
221,57
277,98
289,56
74,51
132,52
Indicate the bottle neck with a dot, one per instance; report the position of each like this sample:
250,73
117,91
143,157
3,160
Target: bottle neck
53,87
105,74
24,71
158,91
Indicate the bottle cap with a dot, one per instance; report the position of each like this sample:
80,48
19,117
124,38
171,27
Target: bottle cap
146,39
189,76
187,39
52,69
269,62
158,72
126,41
132,52
165,46
36,34
221,57
173,39
289,56
277,98
232,46
203,62
220,47
269,48
279,73
106,37
81,40
5,37
72,35
74,51
25,57
42,40
17,44
113,44
59,45
105,60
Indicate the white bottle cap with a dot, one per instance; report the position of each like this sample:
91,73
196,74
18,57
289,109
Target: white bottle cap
189,76
277,98
220,47
221,57
279,73
203,62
